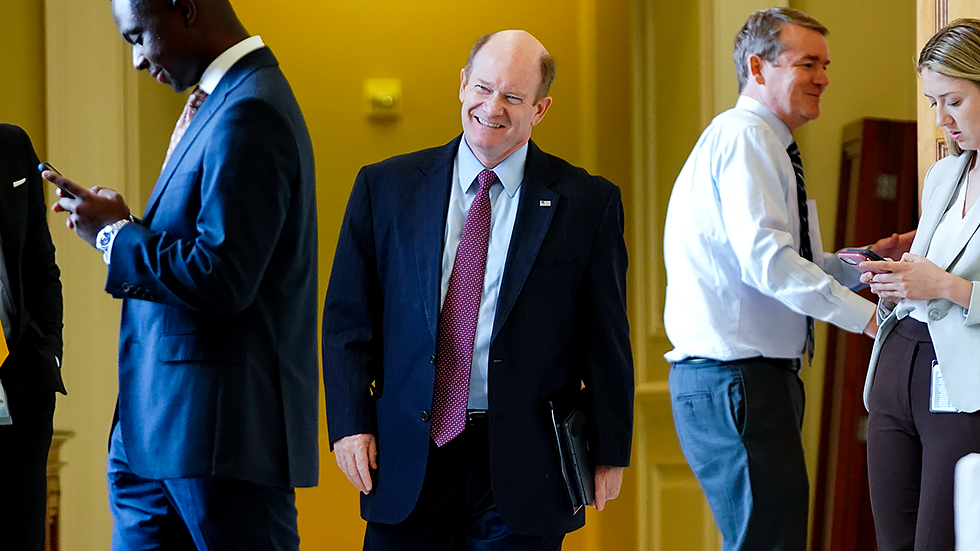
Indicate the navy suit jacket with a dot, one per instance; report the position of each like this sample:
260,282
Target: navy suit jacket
218,371
560,319
30,273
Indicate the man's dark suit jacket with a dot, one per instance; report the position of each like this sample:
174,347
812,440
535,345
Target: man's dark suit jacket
218,371
30,275
560,320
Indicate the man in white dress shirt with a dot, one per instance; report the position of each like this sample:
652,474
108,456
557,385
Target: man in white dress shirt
745,279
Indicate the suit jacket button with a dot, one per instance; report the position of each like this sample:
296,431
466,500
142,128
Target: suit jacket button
125,287
424,416
432,359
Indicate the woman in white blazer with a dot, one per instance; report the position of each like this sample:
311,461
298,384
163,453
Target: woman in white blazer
923,386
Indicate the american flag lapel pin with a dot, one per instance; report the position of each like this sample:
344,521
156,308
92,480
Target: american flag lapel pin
544,203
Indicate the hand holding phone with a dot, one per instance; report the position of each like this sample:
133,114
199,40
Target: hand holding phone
41,167
854,257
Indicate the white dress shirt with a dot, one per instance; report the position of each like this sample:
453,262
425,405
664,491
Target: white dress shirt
736,284
504,199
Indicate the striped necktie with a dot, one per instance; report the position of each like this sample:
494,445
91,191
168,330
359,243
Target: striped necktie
806,251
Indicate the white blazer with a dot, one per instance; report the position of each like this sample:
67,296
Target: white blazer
955,330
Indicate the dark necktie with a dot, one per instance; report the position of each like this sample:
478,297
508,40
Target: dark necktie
457,322
805,249
194,102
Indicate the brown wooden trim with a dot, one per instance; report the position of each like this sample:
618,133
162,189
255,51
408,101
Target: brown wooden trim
942,14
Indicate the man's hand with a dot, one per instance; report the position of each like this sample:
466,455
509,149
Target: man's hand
608,481
356,455
89,210
894,246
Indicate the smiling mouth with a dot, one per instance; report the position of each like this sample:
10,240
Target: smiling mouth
487,124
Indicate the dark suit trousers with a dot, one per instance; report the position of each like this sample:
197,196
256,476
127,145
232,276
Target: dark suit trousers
739,426
455,510
202,514
912,451
23,468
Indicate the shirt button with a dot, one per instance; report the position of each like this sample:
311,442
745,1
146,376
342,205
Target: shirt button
424,416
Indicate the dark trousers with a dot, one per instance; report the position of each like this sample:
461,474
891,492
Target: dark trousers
739,427
202,514
911,451
455,510
23,468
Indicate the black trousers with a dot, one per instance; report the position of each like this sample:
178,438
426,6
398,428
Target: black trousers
912,451
23,468
455,510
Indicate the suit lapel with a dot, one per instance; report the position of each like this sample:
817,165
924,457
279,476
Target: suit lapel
530,228
946,193
429,223
259,58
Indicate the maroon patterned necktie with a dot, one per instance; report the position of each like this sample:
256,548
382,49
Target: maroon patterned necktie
457,322
194,102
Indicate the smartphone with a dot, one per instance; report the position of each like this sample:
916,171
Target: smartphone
857,256
41,167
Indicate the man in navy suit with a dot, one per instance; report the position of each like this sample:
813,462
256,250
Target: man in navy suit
217,408
437,391
30,311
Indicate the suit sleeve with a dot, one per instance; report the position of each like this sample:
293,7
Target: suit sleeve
609,381
249,166
352,322
41,277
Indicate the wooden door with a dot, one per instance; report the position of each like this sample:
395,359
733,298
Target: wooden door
878,196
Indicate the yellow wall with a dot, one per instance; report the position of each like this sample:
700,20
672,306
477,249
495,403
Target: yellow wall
22,66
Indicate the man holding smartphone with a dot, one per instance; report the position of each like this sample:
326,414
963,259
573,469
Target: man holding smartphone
745,279
218,373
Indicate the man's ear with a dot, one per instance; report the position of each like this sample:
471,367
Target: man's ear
755,68
187,10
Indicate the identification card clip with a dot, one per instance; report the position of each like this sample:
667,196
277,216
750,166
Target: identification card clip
939,401
4,408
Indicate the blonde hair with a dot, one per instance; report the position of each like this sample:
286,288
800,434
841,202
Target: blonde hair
954,52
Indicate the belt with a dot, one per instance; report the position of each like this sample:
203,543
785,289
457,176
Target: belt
792,364
477,417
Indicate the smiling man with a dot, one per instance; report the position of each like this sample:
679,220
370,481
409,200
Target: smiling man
472,283
218,374
746,276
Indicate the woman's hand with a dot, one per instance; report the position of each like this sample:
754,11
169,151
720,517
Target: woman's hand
915,278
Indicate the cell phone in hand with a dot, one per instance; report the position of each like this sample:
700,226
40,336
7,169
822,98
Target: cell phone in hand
41,167
854,257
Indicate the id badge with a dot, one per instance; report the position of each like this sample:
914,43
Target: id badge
938,397
4,409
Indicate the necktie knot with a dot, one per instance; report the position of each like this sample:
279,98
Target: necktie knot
486,178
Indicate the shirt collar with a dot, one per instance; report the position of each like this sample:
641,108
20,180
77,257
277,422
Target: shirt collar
753,105
221,64
510,171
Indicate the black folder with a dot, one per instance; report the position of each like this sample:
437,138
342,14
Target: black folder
571,435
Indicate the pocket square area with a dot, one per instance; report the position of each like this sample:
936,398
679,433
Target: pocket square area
19,182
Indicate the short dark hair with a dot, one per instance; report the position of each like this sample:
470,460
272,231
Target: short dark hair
760,35
548,68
